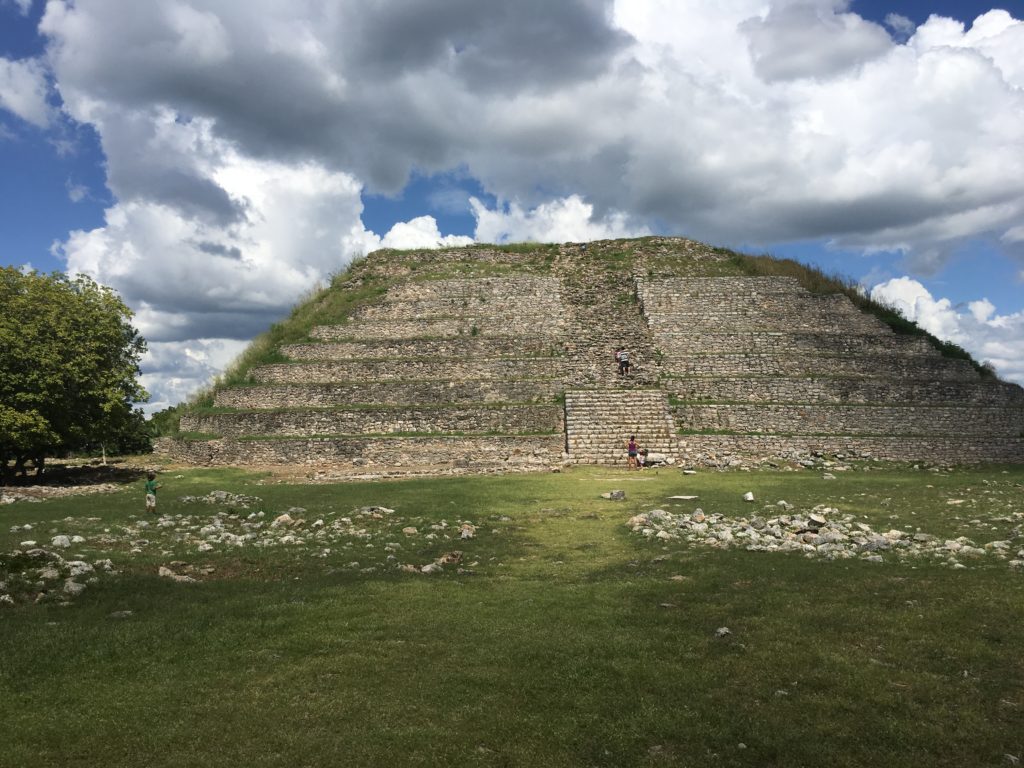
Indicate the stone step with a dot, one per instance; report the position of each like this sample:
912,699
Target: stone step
887,367
508,419
439,454
599,422
982,392
418,370
853,420
437,327
390,393
952,449
446,349
686,343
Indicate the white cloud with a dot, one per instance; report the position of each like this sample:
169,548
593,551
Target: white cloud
987,335
811,38
176,370
239,138
569,219
421,232
23,90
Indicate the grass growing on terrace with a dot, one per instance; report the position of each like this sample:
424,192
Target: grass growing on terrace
568,642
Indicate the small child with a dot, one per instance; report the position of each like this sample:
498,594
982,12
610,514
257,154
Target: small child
151,486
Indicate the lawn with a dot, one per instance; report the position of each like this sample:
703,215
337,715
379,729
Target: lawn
560,637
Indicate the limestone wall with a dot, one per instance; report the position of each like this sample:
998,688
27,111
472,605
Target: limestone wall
878,366
853,419
701,449
501,453
384,370
683,343
442,349
718,303
523,326
375,421
981,392
390,393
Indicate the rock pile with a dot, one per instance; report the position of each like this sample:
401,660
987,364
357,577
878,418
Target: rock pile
823,533
40,575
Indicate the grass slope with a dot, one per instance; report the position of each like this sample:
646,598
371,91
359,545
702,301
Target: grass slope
571,641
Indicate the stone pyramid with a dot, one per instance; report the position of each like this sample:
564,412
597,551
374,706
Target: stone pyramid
494,358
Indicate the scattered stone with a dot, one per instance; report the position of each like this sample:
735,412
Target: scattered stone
167,573
616,495
60,541
410,531
828,476
119,615
431,568
722,632
683,498
748,496
73,588
280,520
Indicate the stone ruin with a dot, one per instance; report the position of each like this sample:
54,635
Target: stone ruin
501,359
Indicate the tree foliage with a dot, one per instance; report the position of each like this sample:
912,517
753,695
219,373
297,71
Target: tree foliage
69,362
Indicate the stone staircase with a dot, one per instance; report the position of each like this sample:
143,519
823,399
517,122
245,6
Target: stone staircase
603,313
599,422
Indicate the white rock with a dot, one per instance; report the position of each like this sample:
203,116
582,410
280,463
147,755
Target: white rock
723,632
79,567
77,540
72,587
6,600
748,496
60,541
27,544
280,520
431,568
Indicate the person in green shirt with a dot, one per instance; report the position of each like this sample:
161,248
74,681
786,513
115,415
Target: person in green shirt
151,486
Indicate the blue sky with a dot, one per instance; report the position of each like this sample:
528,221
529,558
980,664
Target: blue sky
328,147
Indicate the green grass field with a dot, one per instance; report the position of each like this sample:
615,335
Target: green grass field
560,639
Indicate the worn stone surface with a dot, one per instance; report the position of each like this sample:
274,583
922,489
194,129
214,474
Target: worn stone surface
727,370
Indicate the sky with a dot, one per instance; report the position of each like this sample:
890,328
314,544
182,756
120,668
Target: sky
214,161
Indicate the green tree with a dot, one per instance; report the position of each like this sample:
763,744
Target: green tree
69,362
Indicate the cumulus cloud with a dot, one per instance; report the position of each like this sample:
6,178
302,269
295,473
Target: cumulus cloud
239,139
566,220
421,232
176,370
981,330
23,90
811,38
